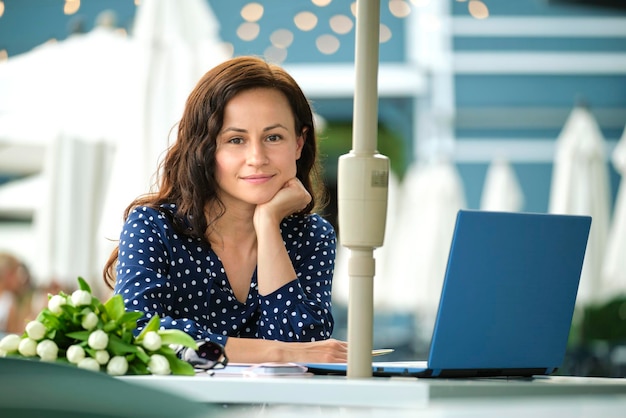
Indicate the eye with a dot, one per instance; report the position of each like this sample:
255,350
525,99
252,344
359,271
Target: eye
274,138
235,140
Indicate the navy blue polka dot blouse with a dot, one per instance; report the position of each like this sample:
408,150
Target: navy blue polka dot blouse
181,279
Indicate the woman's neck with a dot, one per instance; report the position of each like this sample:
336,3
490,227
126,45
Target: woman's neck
233,229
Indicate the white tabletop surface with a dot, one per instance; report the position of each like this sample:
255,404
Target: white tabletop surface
328,394
301,390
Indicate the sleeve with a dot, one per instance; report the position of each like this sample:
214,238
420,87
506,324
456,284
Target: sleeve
142,271
301,309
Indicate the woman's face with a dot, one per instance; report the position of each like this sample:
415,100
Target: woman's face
257,147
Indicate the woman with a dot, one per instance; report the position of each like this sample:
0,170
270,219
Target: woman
228,249
15,293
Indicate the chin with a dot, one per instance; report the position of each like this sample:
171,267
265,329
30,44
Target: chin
257,199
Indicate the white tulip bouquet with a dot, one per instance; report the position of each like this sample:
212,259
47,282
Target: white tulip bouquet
79,329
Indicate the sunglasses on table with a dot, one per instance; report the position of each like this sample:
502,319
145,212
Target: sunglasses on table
208,356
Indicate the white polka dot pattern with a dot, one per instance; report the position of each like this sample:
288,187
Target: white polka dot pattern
180,279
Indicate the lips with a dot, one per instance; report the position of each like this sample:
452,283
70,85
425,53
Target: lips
258,178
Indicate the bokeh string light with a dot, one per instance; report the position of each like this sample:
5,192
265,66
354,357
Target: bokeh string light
478,9
252,12
305,20
71,7
340,24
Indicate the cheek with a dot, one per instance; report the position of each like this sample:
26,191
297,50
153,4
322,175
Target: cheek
296,157
221,168
292,167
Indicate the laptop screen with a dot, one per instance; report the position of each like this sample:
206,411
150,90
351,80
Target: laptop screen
509,293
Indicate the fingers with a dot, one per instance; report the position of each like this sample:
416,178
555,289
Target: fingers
291,198
302,196
327,351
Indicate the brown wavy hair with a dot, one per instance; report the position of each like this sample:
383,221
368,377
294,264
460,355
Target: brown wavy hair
187,175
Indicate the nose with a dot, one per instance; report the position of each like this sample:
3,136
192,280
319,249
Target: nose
257,154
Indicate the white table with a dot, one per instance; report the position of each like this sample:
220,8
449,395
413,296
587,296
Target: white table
56,390
307,390
399,394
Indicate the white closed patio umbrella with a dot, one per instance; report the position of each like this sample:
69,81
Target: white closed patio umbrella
501,191
75,176
614,271
432,194
580,186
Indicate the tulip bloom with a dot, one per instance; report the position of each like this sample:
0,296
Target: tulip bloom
55,303
98,340
36,330
81,298
75,353
117,366
159,365
27,347
47,350
89,321
10,343
89,364
152,341
102,357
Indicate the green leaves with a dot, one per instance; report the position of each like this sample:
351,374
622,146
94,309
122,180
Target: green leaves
79,335
118,347
115,307
83,285
179,366
152,325
129,320
173,336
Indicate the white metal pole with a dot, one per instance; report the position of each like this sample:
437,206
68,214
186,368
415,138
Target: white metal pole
362,188
365,124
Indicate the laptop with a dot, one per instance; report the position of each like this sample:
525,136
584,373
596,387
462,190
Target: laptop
507,298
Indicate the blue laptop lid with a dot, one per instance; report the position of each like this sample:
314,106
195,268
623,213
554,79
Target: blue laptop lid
509,292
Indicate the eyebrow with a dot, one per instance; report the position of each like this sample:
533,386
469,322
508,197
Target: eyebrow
268,128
